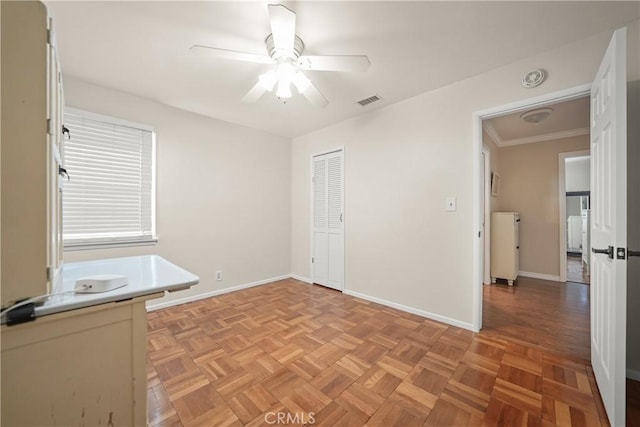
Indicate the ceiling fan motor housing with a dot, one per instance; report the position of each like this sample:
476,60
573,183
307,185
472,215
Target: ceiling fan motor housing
298,47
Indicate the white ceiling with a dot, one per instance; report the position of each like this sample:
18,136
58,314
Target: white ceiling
569,118
143,48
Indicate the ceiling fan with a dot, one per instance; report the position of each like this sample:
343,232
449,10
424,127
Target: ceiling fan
284,50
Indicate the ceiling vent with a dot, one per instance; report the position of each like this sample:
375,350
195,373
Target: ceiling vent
369,100
533,78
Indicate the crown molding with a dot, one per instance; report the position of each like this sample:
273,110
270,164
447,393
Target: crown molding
491,131
545,137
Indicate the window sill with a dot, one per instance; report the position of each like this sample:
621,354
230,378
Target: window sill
107,245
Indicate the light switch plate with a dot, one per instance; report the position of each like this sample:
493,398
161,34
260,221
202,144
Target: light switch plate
451,204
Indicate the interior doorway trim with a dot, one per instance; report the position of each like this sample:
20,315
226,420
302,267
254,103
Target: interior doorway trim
486,276
562,205
478,213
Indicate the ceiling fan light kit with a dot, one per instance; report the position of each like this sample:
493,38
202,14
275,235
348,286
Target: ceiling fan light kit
268,80
536,116
285,52
301,82
284,75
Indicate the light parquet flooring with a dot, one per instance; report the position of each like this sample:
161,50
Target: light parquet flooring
323,358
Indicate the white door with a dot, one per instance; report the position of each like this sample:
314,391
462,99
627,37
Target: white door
328,220
609,227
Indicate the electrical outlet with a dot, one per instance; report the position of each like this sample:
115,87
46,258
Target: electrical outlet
218,276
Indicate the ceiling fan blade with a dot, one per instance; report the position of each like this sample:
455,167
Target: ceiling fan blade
334,63
230,54
254,94
314,96
283,27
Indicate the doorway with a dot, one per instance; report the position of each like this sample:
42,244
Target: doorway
574,199
608,125
530,301
506,185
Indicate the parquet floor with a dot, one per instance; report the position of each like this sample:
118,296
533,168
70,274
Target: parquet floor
306,354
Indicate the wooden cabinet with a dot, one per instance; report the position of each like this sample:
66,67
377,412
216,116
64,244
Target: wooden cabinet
505,246
32,148
80,367
82,361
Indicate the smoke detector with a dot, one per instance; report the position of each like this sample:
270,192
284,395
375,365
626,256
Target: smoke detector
536,116
533,78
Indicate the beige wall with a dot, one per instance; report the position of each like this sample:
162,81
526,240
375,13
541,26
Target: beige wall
401,162
530,186
223,195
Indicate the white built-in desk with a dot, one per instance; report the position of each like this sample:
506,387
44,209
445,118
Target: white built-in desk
83,360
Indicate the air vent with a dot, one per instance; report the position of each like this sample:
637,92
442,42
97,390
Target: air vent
369,100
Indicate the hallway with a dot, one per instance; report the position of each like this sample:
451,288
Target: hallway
553,316
576,270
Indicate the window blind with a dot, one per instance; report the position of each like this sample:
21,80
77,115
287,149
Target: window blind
109,197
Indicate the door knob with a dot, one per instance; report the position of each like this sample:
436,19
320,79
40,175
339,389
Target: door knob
608,251
631,253
63,172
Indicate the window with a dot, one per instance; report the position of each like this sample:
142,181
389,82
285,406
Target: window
109,199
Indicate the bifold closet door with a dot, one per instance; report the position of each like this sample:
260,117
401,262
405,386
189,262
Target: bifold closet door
328,220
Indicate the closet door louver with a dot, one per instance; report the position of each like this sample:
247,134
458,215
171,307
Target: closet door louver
320,237
335,192
328,219
320,194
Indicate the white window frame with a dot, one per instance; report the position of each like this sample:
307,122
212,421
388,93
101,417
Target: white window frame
100,243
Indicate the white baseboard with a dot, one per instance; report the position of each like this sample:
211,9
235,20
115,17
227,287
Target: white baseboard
165,304
540,276
633,374
412,310
191,298
301,278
